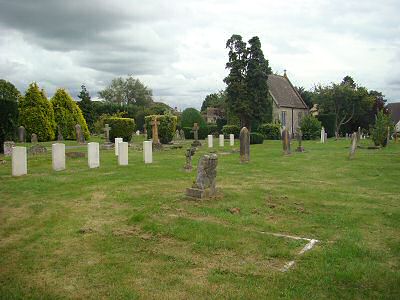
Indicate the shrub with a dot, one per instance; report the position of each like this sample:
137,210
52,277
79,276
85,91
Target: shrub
310,127
256,138
270,131
380,130
67,114
191,116
36,114
8,111
166,129
231,129
120,127
212,129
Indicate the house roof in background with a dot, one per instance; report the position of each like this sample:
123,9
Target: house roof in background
394,109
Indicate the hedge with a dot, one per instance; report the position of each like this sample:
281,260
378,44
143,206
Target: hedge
166,129
36,114
256,138
8,111
67,114
271,131
328,121
120,127
310,127
231,129
190,116
203,132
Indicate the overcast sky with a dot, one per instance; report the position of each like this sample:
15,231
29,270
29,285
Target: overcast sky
177,48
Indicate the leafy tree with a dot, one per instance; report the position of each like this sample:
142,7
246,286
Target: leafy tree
247,89
36,114
8,111
217,100
191,116
67,114
307,96
127,91
86,106
310,127
380,130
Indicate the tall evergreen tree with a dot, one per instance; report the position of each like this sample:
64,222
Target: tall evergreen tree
8,111
86,107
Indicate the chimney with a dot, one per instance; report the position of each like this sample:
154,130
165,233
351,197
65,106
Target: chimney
284,73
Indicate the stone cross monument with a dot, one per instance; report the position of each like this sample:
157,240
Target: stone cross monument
154,123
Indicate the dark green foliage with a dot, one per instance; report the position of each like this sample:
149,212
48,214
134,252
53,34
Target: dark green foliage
166,129
86,106
211,129
231,129
220,123
191,116
307,96
328,121
120,127
217,100
67,114
310,127
203,132
380,130
8,111
271,131
256,138
36,114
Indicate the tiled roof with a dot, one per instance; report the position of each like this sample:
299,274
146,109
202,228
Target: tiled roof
284,93
394,109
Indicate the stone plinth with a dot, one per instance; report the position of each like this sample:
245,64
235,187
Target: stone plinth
93,155
148,152
123,154
197,193
210,141
117,141
58,156
19,161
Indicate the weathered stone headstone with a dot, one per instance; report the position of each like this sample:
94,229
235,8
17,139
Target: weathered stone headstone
145,130
37,149
353,145
154,126
244,145
205,184
7,146
116,142
58,156
210,140
107,129
221,140
34,138
19,161
21,134
189,154
322,135
93,155
177,135
388,136
79,134
300,148
137,132
286,142
195,131
59,134
232,139
182,134
123,154
148,152
358,134
326,137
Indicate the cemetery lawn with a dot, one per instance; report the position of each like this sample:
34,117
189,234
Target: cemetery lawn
130,232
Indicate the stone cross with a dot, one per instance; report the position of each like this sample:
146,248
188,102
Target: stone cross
353,145
286,142
34,138
189,154
154,123
107,129
244,145
300,148
21,134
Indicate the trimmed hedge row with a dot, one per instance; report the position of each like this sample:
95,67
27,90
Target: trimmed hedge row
166,129
256,138
120,127
231,129
270,131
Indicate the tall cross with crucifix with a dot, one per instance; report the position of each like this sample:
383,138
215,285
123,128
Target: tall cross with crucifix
154,123
107,129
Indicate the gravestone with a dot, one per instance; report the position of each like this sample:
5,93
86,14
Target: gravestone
80,139
210,140
189,154
19,161
358,134
93,155
244,145
154,126
116,142
123,154
148,152
205,184
59,135
58,156
107,129
232,139
388,136
221,140
34,138
7,146
322,135
353,145
21,134
182,134
326,137
286,142
37,149
137,132
177,135
145,130
299,148
195,131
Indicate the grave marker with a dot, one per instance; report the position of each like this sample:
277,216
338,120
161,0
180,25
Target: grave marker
123,154
244,145
205,184
58,156
286,142
34,138
210,140
19,161
93,155
116,142
21,134
148,152
80,139
353,145
221,140
232,139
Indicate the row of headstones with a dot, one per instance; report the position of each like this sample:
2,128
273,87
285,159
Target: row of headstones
20,163
210,139
34,139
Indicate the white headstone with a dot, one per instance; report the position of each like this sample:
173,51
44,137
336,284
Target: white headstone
58,156
93,155
322,135
19,162
148,152
210,141
123,154
117,141
137,132
221,140
232,139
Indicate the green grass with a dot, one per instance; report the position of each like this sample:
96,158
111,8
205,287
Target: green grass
129,232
